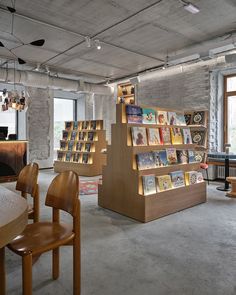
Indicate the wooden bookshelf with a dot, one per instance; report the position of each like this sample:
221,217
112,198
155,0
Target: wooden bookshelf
126,93
96,158
121,190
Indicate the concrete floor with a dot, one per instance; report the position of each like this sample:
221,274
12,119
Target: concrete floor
192,252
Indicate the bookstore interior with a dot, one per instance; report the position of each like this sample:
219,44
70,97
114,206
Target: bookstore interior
123,117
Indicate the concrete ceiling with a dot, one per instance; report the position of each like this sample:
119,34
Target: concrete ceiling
135,35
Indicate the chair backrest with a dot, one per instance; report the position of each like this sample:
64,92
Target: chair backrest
28,178
63,193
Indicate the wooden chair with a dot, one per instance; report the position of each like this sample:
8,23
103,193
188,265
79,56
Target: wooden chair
41,237
27,184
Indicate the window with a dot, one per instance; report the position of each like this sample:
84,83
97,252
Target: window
64,110
8,118
230,112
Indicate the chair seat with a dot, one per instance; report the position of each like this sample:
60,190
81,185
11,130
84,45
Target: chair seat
40,237
204,166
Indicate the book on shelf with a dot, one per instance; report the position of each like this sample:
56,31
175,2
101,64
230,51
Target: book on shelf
191,156
164,183
180,119
153,136
85,158
93,125
139,136
149,116
68,125
60,156
198,137
149,184
79,146
134,114
75,125
191,177
85,125
176,135
199,177
165,135
71,145
145,161
87,147
76,157
200,156
182,156
172,119
82,136
171,156
198,118
187,136
177,178
188,118
162,118
68,157
73,135
160,158
65,134
63,145
91,136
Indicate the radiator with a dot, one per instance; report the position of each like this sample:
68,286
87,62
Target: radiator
221,172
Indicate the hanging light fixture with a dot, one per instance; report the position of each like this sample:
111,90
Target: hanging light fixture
98,44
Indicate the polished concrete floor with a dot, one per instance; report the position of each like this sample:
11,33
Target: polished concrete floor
192,252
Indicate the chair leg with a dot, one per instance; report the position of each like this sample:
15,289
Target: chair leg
55,263
207,176
76,267
2,272
27,274
36,205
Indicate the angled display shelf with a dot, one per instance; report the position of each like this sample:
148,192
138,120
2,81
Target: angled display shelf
81,148
122,186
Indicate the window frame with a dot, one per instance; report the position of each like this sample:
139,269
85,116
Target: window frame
226,96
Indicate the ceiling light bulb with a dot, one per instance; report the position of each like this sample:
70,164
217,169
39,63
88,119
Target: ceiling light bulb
98,44
191,8
37,68
88,41
47,70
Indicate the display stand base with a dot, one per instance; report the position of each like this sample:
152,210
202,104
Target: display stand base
223,189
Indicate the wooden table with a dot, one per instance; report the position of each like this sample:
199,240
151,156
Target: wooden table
13,219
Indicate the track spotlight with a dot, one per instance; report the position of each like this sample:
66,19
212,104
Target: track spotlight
11,9
39,42
37,68
21,61
190,7
98,44
47,70
1,44
88,41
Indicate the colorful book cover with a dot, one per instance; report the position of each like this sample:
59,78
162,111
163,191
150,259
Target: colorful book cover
198,118
171,156
180,119
68,125
65,134
149,184
165,135
162,118
85,158
79,146
162,158
91,136
182,156
176,135
68,156
149,116
199,177
134,114
198,137
145,161
73,135
172,119
153,136
63,145
87,147
177,178
60,156
190,177
76,157
188,118
187,136
164,183
191,156
200,156
93,125
139,136
85,125
75,125
71,145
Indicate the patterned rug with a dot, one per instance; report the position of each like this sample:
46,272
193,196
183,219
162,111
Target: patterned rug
88,187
